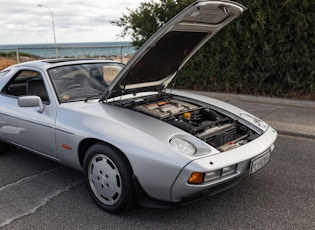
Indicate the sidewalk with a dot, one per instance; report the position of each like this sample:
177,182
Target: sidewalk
293,117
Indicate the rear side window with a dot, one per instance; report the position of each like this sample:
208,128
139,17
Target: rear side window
27,82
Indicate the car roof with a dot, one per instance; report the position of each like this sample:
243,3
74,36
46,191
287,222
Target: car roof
49,63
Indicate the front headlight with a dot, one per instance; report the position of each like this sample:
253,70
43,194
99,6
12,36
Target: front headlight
254,120
183,146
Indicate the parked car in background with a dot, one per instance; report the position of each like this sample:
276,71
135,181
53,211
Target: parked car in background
134,138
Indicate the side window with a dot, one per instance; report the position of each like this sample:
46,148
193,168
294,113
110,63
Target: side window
27,82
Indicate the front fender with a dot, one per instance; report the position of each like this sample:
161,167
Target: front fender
143,139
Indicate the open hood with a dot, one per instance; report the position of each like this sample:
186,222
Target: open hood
156,63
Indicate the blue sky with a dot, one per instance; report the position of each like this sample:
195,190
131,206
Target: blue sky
23,22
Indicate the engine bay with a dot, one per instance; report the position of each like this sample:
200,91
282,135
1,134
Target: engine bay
213,127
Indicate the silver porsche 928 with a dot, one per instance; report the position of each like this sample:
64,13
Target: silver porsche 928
135,139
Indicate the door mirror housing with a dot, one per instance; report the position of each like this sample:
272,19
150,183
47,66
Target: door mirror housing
31,101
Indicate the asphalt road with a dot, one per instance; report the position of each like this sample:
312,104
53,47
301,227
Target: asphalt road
38,194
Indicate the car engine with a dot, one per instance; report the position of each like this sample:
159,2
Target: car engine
213,127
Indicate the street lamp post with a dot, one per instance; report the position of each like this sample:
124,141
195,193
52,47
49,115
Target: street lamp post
53,25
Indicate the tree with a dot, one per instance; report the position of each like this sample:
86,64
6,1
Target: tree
142,22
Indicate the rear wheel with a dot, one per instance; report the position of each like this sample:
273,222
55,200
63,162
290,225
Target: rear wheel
3,147
108,177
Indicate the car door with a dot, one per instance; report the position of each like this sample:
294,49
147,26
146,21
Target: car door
25,126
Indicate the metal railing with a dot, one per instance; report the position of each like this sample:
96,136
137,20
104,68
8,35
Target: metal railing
120,53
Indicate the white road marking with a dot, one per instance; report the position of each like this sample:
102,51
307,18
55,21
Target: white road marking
30,193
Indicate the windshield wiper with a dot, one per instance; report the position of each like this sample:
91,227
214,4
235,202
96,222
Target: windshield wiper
93,96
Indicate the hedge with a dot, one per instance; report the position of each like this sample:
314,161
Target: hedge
269,50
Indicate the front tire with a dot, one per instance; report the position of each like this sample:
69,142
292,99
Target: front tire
108,177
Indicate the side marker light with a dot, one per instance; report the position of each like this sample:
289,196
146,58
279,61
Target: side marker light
68,147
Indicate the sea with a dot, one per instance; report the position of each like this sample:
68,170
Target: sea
79,50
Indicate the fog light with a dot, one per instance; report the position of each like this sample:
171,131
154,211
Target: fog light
212,175
228,170
196,178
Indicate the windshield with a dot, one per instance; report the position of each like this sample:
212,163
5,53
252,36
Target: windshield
81,81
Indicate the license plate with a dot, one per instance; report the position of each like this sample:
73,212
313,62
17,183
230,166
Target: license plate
259,162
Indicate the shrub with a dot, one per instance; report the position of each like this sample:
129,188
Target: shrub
267,51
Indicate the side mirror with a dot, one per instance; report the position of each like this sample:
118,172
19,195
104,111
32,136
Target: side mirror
31,101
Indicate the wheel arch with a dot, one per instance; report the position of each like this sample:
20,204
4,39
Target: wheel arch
88,142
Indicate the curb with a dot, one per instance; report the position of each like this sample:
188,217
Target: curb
261,99
290,131
295,128
293,134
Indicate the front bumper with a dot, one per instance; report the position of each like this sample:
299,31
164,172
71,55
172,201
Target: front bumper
144,200
241,156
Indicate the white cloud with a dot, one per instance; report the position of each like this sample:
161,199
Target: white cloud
23,22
